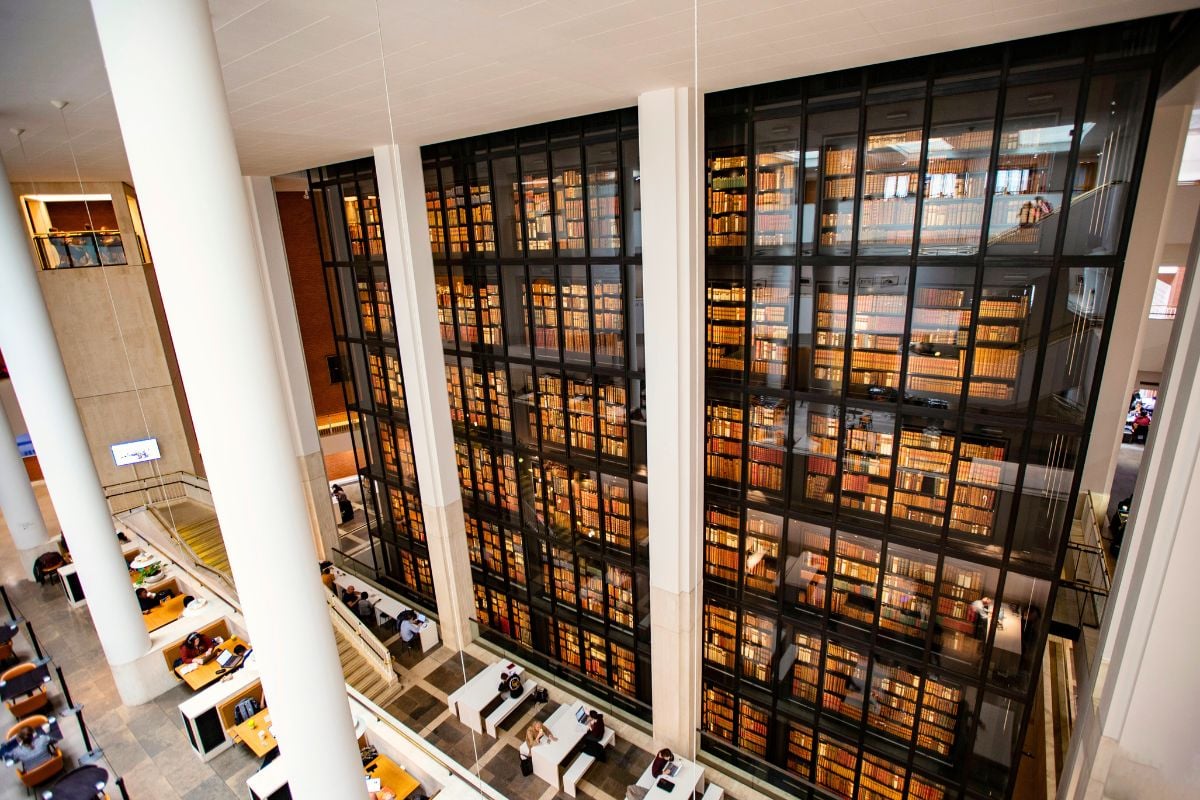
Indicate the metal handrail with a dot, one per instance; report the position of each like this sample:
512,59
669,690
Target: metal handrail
363,639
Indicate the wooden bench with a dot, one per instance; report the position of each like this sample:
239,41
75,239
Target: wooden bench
713,792
218,627
510,704
583,761
226,706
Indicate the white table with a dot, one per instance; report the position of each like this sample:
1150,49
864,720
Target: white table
548,757
690,776
385,608
469,700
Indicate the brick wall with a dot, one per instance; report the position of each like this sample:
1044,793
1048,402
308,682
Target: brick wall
308,287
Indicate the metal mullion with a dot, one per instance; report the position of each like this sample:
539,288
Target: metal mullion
1085,85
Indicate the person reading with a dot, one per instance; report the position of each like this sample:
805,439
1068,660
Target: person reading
197,648
662,760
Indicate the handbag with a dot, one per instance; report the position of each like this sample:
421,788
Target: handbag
526,766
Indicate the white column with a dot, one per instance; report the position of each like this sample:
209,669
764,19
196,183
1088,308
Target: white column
40,380
18,503
1139,715
670,142
289,348
410,265
166,84
1146,240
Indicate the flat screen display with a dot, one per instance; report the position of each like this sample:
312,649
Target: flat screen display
128,453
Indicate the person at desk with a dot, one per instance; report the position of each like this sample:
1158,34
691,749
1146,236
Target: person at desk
30,748
148,600
327,576
410,628
537,733
197,648
662,760
511,684
365,608
592,740
350,598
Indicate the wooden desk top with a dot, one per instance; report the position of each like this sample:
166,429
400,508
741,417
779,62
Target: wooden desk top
255,733
206,673
391,776
165,614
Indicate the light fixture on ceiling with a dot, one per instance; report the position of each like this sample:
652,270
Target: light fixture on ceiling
1040,98
893,116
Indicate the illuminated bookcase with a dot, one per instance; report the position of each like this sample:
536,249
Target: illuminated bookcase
899,290
390,546
540,317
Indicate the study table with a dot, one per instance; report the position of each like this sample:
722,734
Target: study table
548,757
256,733
470,702
210,670
164,614
688,774
84,783
392,776
24,683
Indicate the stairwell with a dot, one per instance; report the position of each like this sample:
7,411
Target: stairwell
363,676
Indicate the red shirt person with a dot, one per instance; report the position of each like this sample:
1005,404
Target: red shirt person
196,648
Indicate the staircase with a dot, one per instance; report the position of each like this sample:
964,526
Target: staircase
196,526
363,676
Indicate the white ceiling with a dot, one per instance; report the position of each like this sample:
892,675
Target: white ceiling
306,87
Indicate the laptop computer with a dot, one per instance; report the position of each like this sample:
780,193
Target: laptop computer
582,715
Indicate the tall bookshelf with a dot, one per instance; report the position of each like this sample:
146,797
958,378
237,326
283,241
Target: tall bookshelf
889,324
540,322
362,316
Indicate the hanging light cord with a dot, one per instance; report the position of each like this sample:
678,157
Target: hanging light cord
154,467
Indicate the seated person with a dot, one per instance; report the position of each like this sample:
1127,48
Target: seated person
235,660
327,576
595,733
510,684
662,759
350,598
537,733
31,747
147,600
197,648
410,628
365,609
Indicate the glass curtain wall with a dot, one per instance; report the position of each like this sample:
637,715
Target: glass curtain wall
389,546
909,274
537,251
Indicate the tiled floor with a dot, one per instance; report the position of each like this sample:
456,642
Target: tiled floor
147,746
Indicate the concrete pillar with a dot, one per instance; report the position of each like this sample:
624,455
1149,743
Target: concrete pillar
410,266
290,351
18,503
670,139
166,84
1146,240
1139,717
40,380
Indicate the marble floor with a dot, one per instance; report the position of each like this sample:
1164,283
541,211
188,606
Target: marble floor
146,745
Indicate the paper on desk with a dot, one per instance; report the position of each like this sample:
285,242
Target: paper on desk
186,668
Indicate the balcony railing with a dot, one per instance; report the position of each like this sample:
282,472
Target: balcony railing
71,249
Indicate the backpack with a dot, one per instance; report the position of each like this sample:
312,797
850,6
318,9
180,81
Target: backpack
244,710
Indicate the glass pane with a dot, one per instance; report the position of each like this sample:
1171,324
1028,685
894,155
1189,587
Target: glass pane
984,485
483,218
763,534
1018,627
726,328
434,212
1045,496
726,201
535,203
608,303
815,431
758,648
867,462
576,314
581,415
880,307
604,202
923,475
996,741
833,135
824,298
611,400
1008,331
508,206
1074,352
856,575
454,195
960,149
939,335
543,305
843,686
633,198
724,440
516,312
904,602
807,566
548,415
568,202
615,501
1112,126
766,447
892,166
524,405
964,611
771,316
1031,172
776,185
801,676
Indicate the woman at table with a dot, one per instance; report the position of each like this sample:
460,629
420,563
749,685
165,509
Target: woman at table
537,733
593,739
31,747
196,648
662,760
